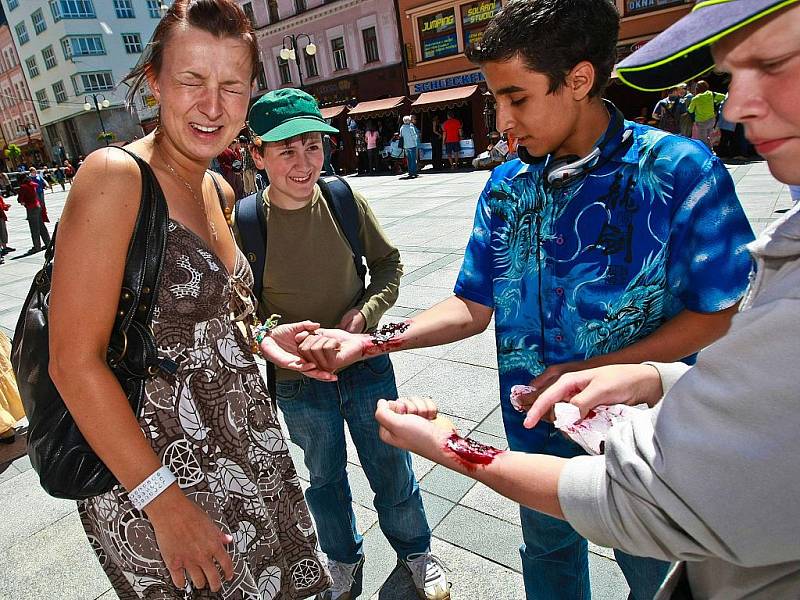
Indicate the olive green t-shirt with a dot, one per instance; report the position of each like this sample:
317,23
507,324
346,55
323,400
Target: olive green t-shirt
310,272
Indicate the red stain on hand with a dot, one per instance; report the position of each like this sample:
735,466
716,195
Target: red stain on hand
469,452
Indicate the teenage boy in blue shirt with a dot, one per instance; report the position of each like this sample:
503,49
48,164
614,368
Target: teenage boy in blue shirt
621,244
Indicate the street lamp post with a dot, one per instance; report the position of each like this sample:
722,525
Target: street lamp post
291,52
99,102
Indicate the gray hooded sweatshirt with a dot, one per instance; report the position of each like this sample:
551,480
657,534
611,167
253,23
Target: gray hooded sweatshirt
711,477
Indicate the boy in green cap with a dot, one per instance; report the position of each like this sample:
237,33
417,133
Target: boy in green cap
312,275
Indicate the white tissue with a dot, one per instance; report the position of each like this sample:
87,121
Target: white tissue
591,433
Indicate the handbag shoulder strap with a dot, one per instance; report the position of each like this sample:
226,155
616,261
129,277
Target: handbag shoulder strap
145,258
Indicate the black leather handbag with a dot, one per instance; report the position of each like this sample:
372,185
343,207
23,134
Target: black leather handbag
66,464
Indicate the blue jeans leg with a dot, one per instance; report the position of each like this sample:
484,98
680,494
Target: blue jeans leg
555,558
312,410
388,469
411,156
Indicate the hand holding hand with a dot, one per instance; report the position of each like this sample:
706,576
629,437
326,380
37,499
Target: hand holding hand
545,379
330,349
280,347
603,386
189,541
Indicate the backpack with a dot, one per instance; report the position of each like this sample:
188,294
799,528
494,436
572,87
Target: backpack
669,119
251,221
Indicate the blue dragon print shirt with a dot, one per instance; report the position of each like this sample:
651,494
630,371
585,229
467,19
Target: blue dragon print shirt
591,268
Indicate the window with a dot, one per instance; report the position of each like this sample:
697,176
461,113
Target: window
83,45
370,44
299,6
59,92
272,8
437,34
49,57
261,78
41,98
153,7
33,68
475,16
12,4
133,43
311,65
39,24
93,82
339,55
124,9
72,9
283,71
22,33
247,7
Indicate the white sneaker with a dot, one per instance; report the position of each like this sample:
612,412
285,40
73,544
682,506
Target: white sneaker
347,580
428,573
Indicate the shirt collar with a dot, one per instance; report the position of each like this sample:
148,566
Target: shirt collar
631,155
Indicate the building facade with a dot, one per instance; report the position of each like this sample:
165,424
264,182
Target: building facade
356,48
75,53
18,121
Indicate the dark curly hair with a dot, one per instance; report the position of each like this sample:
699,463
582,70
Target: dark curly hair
552,36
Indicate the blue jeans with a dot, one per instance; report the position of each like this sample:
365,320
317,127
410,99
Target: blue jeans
555,558
315,414
411,156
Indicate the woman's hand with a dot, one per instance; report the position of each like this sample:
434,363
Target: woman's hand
331,349
189,541
281,348
603,386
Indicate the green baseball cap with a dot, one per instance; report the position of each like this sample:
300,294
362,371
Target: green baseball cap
285,113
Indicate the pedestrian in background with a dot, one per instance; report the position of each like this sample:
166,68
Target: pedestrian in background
704,107
11,409
453,132
4,247
371,139
58,175
436,143
28,196
409,135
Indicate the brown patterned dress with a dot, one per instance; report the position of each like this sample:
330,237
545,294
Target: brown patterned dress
214,425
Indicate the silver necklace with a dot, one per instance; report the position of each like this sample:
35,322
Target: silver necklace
212,229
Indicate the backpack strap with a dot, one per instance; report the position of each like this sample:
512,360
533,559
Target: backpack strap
342,202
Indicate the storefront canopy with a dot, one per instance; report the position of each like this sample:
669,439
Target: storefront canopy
377,108
332,112
450,98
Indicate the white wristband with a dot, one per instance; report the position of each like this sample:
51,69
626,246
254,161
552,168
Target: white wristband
147,491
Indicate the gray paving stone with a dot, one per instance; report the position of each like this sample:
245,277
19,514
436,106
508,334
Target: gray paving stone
479,350
607,581
493,424
56,562
436,508
415,296
8,471
32,510
458,389
408,364
467,528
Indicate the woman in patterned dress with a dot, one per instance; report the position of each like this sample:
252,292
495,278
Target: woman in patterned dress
236,524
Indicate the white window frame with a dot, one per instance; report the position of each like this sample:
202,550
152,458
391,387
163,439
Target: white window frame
60,91
72,9
42,99
124,9
22,33
49,57
39,22
97,86
32,66
133,45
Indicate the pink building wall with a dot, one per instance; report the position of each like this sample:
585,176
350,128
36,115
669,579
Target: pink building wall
16,106
323,22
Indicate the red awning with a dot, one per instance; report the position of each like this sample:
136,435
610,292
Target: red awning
444,98
377,108
331,112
